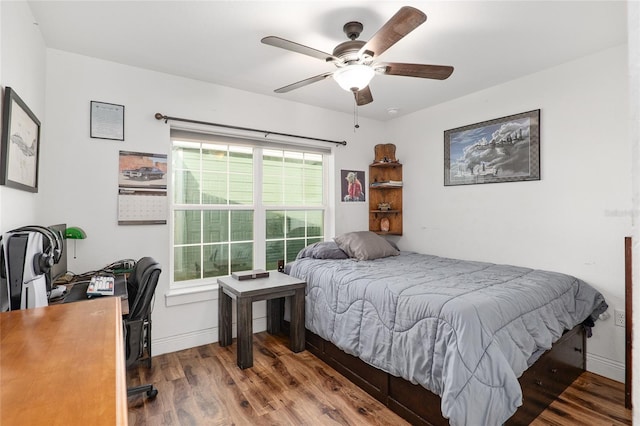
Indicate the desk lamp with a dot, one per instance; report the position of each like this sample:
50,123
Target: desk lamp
74,233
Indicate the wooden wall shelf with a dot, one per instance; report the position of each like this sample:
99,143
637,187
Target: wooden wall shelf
392,194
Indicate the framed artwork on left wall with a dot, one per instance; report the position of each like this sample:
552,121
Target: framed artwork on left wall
20,150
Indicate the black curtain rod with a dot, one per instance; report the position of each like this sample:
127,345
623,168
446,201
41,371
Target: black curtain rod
266,132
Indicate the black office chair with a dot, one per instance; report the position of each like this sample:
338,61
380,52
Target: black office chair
141,287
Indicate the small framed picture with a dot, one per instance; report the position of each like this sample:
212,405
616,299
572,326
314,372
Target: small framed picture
19,154
352,188
107,121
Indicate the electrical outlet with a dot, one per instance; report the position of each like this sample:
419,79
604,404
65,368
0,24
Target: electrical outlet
619,318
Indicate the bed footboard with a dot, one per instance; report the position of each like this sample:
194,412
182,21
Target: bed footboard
541,383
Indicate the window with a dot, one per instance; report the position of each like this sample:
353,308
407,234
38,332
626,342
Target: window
291,179
238,206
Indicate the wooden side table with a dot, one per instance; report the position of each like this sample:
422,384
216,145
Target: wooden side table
272,289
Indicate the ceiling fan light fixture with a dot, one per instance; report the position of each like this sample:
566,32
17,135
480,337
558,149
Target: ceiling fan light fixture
354,77
356,59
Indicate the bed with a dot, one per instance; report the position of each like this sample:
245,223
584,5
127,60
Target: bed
444,340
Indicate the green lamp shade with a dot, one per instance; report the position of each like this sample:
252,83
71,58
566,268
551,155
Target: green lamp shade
75,233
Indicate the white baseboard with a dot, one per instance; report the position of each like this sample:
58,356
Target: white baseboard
179,342
184,341
605,367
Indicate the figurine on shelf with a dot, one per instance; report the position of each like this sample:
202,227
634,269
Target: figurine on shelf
384,206
384,224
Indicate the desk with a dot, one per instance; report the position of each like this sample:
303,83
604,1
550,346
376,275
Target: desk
272,289
63,365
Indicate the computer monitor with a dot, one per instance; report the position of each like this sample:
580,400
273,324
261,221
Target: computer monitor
60,268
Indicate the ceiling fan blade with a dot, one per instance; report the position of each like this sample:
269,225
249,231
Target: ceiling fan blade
402,23
363,96
303,83
438,72
299,48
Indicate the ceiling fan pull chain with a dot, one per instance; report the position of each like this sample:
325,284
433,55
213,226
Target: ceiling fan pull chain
355,112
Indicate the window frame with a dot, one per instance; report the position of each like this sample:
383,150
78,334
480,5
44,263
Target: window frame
258,208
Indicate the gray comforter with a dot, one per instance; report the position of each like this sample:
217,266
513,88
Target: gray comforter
464,330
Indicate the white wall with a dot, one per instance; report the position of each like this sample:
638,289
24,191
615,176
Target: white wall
81,173
22,69
573,220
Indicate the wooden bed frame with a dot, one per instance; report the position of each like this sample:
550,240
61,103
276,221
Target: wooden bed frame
541,383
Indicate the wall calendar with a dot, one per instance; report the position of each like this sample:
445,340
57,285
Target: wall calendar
142,189
142,206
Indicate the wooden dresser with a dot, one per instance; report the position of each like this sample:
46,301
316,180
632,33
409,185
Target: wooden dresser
63,365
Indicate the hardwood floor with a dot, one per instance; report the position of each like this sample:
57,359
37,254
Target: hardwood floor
204,386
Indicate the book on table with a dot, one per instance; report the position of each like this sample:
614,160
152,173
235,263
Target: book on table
250,275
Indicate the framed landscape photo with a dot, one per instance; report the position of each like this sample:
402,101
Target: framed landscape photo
504,149
20,150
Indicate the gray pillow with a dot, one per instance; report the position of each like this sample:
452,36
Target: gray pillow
365,245
322,250
394,245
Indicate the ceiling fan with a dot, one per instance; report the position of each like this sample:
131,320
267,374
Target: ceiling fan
355,59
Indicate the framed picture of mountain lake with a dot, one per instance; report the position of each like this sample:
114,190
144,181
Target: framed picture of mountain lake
504,149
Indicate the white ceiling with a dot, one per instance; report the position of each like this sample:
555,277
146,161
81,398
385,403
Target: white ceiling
488,42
